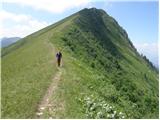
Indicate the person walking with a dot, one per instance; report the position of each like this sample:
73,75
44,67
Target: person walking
59,57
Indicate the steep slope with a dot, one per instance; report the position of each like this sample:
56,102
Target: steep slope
96,39
103,76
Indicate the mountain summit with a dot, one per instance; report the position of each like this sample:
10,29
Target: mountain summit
102,76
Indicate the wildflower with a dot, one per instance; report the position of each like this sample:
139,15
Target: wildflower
92,94
99,115
120,113
92,108
42,108
106,108
88,98
105,104
112,115
108,116
89,103
94,104
39,113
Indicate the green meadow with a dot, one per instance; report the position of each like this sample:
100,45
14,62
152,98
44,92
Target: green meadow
103,75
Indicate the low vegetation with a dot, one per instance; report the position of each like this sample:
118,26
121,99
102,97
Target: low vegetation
103,76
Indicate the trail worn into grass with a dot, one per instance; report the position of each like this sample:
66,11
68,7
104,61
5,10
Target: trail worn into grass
46,100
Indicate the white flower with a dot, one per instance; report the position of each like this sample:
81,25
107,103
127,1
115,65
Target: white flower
42,108
108,116
112,115
88,98
106,109
94,104
89,102
92,108
105,104
40,113
120,113
123,117
115,112
99,114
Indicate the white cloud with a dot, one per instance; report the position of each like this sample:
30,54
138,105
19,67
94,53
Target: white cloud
54,6
18,24
4,15
150,50
147,47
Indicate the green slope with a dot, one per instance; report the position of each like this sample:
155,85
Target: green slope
103,76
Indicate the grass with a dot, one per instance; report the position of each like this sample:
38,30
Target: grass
102,73
26,73
126,74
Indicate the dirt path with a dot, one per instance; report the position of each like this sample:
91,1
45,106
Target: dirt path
46,100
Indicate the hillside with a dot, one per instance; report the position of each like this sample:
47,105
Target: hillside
103,75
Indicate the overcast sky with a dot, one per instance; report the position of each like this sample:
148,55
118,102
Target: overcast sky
140,19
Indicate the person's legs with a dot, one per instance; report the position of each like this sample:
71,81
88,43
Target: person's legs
58,62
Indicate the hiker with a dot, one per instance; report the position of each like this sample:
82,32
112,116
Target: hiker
59,57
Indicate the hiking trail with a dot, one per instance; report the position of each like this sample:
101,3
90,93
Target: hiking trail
46,102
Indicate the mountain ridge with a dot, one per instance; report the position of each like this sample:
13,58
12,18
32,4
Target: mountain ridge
102,71
6,41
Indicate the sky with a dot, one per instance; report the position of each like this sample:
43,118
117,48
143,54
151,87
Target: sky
138,17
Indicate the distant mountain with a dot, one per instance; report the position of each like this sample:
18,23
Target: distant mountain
6,41
102,75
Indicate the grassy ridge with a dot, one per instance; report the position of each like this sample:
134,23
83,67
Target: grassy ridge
27,70
102,76
132,84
